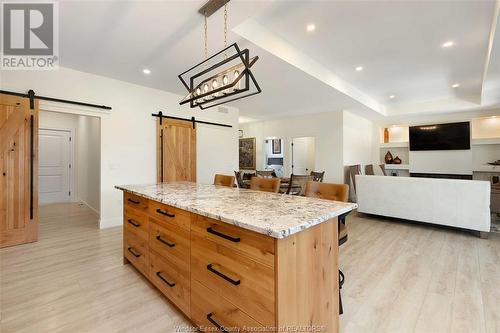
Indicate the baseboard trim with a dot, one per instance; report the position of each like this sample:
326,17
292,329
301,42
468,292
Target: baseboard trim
110,223
91,208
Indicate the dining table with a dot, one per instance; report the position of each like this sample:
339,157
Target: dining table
284,184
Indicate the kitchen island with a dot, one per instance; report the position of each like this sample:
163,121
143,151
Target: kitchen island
232,258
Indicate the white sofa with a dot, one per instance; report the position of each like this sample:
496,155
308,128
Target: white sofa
450,202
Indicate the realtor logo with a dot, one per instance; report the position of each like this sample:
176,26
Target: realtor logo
29,35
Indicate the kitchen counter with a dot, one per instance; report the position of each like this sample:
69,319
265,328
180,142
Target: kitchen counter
271,214
226,257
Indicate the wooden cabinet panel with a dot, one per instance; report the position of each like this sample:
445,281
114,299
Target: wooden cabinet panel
136,222
18,171
209,309
136,250
169,214
244,282
135,201
171,242
173,281
257,246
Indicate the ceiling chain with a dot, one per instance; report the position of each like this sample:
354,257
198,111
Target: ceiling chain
225,25
206,36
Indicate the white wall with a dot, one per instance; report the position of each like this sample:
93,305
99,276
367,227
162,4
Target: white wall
360,144
89,161
128,132
326,128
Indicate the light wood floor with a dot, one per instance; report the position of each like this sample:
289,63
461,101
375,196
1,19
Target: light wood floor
400,277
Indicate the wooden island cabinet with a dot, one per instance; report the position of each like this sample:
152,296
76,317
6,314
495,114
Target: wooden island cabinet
225,275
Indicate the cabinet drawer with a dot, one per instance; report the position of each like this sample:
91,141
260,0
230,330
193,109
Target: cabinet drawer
170,214
244,282
173,282
136,250
208,309
135,201
257,246
170,241
136,222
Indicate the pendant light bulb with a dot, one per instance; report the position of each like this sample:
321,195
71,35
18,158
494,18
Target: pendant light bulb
205,87
236,74
198,91
214,84
225,80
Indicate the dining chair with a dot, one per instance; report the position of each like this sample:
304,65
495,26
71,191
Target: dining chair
371,171
223,180
353,171
265,184
239,179
317,176
336,192
266,173
297,184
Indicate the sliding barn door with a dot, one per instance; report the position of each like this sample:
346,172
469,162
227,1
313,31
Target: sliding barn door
176,153
18,170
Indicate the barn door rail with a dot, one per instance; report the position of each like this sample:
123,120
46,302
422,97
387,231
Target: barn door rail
192,119
31,95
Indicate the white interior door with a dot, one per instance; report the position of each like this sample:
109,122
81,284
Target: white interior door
54,166
302,155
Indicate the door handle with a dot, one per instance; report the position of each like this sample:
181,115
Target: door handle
220,234
225,277
170,284
134,223
162,212
216,324
132,250
134,201
158,237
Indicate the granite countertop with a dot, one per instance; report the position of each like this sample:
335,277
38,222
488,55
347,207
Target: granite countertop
272,214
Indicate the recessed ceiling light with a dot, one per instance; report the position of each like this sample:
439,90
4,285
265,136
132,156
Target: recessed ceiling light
310,27
146,71
359,68
456,85
392,96
448,44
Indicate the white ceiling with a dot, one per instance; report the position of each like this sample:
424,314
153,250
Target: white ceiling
398,43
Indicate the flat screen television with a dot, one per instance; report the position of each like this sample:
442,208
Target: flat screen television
452,136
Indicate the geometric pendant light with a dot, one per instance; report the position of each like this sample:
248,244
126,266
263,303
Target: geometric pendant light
224,77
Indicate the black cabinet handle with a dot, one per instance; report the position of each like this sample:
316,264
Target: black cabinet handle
134,223
162,212
132,250
170,284
165,242
229,238
134,201
225,277
216,324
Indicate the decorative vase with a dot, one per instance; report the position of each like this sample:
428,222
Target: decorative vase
388,158
397,160
386,135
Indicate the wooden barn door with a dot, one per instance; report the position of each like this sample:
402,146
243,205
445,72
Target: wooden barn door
176,150
18,170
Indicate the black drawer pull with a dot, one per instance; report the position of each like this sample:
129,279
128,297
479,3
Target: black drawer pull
134,201
162,212
134,223
132,250
229,238
216,324
171,285
225,277
164,241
